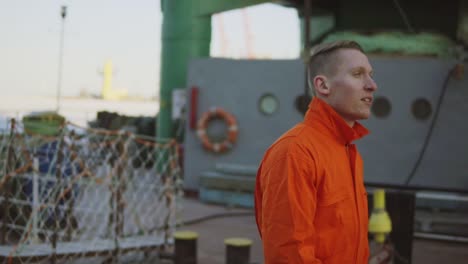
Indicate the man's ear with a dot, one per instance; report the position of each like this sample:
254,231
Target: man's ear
320,84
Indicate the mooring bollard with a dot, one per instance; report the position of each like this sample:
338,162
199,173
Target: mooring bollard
237,250
185,247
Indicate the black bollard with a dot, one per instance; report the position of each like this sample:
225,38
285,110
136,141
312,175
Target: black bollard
185,247
237,250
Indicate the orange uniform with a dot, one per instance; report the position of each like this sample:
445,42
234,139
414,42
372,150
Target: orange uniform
310,200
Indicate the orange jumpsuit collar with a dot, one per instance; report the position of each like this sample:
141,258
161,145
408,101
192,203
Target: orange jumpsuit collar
321,113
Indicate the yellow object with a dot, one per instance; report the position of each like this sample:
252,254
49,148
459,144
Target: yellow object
238,242
379,224
185,235
108,93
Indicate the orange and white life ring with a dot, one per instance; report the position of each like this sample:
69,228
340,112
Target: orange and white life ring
231,138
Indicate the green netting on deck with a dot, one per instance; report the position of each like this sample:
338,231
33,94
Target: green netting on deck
424,44
45,123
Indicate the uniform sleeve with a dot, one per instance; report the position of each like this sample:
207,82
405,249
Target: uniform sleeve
285,202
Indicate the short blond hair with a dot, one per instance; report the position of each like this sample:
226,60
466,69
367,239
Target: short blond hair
323,57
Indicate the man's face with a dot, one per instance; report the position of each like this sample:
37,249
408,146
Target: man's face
351,85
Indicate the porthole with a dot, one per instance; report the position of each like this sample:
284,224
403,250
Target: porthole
421,109
381,107
268,104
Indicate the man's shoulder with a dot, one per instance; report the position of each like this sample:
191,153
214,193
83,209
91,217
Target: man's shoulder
299,140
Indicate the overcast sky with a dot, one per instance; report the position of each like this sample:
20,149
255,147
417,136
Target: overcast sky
126,32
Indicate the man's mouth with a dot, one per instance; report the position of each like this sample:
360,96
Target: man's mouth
367,100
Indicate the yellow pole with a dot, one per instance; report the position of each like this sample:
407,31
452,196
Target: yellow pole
379,199
107,83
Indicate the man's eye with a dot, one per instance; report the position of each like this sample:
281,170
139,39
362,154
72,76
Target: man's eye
357,74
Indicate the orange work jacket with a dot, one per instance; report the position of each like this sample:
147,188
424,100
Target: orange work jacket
310,200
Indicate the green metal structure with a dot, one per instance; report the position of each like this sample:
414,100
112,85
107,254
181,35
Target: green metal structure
186,34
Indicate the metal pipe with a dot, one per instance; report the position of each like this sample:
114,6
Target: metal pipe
10,166
58,176
71,202
307,7
36,201
414,187
441,197
60,62
440,237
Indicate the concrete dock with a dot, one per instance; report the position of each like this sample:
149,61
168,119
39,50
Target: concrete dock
220,222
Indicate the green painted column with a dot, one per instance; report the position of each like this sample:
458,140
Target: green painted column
186,34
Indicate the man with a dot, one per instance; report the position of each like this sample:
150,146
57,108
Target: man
310,200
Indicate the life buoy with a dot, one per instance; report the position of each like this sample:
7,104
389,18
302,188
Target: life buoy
231,138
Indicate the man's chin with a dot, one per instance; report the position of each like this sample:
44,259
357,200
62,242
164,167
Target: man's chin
362,116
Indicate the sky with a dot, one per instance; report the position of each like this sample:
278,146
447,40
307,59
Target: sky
126,32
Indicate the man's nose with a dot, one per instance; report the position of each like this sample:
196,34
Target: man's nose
371,85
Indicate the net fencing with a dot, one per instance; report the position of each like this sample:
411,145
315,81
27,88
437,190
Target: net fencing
86,196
